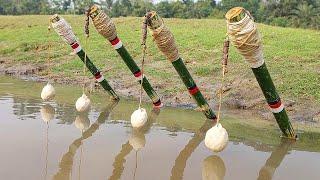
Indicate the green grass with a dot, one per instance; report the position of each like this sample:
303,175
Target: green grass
292,55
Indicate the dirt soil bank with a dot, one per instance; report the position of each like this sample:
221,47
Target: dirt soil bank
241,93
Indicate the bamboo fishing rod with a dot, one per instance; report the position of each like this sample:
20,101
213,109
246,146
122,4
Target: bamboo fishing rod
244,35
105,27
65,32
166,44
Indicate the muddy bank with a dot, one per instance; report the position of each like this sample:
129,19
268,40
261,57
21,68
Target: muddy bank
242,93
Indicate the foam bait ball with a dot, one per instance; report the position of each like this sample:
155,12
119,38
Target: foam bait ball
216,138
139,117
83,103
213,168
137,141
82,122
47,113
48,92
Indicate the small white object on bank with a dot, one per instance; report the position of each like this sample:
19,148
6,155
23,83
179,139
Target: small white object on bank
139,117
48,92
216,138
47,113
83,103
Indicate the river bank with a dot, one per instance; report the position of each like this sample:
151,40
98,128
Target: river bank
236,96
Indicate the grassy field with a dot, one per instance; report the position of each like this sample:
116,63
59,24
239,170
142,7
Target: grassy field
292,55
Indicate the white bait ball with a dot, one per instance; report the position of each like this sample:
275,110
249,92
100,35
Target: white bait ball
216,138
139,117
48,92
83,103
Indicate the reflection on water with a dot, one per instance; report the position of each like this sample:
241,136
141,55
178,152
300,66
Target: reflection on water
275,159
47,114
82,121
136,141
23,108
181,160
118,164
213,168
53,141
65,165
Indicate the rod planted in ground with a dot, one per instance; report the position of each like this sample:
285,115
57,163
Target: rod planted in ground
64,30
166,44
107,29
244,35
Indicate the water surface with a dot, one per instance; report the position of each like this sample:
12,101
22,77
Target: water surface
52,141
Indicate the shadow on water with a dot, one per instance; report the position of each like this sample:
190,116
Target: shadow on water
174,136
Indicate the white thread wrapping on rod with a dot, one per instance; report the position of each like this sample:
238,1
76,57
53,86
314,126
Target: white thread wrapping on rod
105,26
246,38
65,31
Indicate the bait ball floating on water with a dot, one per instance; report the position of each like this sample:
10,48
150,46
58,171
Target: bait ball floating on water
83,103
48,92
216,138
139,117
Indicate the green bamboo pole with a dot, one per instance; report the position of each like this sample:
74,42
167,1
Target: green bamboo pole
100,20
60,25
156,24
266,84
259,68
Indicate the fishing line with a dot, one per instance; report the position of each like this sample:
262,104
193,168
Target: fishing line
48,92
47,150
80,159
217,137
86,46
49,47
144,49
136,165
224,63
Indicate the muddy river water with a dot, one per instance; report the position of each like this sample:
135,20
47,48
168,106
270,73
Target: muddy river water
52,141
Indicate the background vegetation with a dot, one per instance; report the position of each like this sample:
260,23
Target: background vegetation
292,55
293,13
